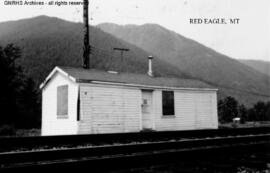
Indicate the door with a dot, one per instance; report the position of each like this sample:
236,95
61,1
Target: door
147,109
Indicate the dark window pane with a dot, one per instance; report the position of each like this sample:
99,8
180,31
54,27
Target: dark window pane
168,102
62,100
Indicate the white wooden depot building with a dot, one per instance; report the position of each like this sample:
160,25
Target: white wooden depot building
88,101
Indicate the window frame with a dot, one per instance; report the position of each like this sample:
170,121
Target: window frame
62,101
170,113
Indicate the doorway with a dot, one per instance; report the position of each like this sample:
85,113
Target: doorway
147,110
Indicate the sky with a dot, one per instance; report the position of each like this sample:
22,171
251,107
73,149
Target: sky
249,39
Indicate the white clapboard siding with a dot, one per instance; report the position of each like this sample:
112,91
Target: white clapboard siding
115,108
106,109
51,125
204,110
193,110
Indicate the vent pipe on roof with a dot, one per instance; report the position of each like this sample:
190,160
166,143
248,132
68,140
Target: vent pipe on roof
150,72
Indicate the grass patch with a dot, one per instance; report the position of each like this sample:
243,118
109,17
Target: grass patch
10,131
249,124
27,132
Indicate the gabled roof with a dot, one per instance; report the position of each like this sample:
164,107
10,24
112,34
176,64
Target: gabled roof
81,75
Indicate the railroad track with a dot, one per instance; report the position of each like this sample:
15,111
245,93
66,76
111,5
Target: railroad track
68,141
104,158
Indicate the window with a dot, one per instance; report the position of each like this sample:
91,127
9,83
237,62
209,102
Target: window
62,101
168,103
145,106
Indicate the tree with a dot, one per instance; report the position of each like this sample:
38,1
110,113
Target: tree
221,113
259,112
227,109
252,115
242,113
268,111
260,109
11,83
29,108
18,98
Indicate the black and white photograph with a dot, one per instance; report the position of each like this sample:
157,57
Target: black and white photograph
140,86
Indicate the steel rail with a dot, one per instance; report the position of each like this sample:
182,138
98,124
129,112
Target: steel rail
28,143
93,154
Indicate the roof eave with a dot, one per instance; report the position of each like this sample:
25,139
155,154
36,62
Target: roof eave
145,86
56,69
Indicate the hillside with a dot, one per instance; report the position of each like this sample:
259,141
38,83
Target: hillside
47,42
261,66
230,76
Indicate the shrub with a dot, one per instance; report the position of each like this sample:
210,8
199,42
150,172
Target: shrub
7,130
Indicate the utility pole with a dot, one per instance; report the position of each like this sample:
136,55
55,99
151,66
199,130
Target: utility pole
122,50
86,45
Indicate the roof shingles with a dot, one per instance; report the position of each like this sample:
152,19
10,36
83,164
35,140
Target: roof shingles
88,75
